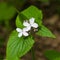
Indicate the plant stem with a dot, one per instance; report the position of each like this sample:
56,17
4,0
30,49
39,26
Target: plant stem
17,10
33,54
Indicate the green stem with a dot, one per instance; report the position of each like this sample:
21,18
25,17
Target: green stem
17,11
33,54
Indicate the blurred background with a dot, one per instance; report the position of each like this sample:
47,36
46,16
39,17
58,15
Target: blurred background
9,9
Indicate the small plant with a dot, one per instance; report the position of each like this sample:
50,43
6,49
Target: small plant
21,40
27,27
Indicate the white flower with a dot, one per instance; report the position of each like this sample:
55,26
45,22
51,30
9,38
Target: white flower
22,32
30,24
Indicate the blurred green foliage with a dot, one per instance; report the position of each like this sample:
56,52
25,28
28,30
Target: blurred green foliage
44,1
6,11
1,44
52,55
1,41
1,57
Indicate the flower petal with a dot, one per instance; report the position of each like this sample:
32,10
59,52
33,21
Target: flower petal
31,20
24,29
27,28
35,25
25,23
20,34
25,34
18,30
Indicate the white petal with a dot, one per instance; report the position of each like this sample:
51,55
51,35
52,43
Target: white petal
18,30
25,23
31,20
25,34
26,29
35,25
20,34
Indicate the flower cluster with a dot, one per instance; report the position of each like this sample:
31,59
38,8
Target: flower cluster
28,25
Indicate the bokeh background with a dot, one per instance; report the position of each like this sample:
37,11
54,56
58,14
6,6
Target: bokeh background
9,9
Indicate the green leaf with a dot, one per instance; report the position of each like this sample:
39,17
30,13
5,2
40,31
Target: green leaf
33,11
19,23
45,32
6,11
52,54
12,58
58,58
18,46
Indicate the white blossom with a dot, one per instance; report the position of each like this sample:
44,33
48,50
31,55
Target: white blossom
30,24
22,32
